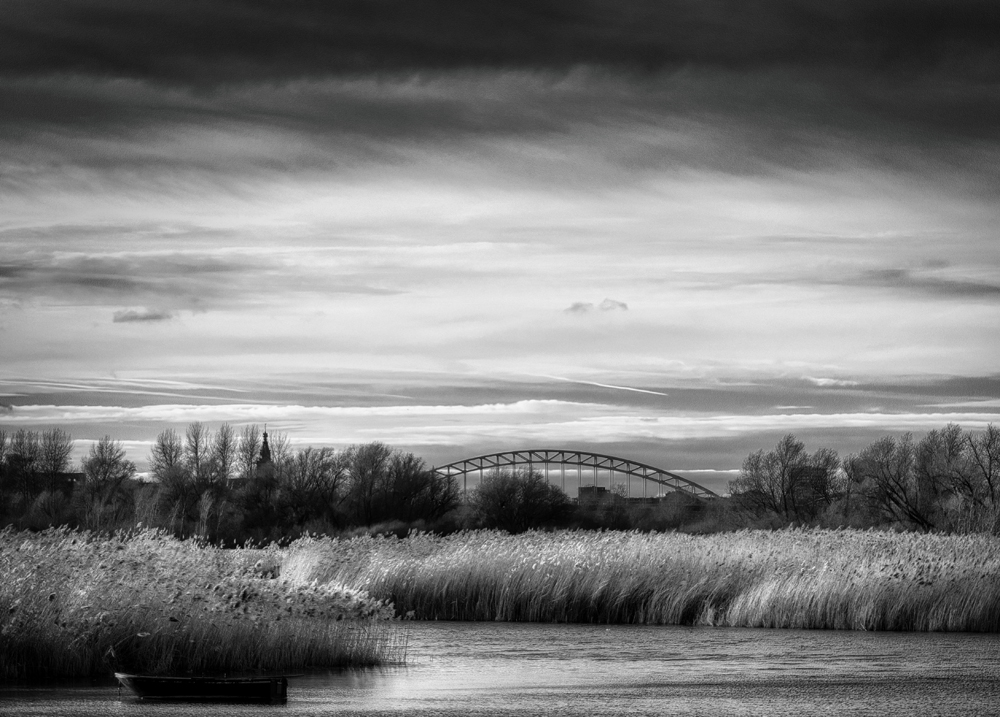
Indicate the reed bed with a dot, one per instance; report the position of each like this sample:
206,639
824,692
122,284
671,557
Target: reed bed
815,579
77,604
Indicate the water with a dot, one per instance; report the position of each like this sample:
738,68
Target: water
562,670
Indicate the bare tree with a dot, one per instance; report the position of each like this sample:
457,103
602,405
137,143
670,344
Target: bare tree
178,491
166,456
197,450
368,473
886,474
281,452
224,449
54,451
248,451
408,490
318,472
787,481
765,481
106,467
961,471
984,460
942,466
440,497
314,484
817,485
4,468
32,465
26,444
23,462
106,470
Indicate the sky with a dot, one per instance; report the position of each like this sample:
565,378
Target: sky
670,230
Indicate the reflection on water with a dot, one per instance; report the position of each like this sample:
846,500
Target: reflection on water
525,669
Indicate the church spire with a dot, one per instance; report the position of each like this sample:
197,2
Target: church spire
265,451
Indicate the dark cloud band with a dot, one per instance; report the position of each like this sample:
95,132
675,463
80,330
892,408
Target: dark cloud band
192,41
738,122
323,85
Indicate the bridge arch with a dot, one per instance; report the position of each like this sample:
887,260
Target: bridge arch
595,462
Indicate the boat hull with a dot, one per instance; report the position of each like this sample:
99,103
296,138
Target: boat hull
207,689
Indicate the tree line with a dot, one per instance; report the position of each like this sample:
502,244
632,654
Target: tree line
213,484
948,480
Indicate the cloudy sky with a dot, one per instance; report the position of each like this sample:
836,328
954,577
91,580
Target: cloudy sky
667,229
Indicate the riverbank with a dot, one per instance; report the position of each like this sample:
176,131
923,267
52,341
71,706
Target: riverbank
79,604
504,669
811,579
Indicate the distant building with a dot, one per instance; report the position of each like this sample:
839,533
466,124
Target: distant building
265,466
66,482
591,494
19,474
265,455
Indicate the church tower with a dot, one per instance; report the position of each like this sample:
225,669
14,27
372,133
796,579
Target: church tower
265,454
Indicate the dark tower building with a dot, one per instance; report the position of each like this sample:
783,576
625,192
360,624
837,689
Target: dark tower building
265,454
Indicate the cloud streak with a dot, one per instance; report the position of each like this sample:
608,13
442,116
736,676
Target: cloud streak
194,279
585,307
141,315
606,385
930,284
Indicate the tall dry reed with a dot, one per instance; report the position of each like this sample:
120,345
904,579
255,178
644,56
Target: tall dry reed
851,580
75,603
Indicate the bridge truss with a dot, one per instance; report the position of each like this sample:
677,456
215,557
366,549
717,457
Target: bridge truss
596,464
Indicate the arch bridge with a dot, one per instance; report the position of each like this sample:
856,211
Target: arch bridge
595,464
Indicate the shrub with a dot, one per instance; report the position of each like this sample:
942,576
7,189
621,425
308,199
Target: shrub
518,500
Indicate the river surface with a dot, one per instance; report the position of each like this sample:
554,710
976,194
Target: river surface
561,670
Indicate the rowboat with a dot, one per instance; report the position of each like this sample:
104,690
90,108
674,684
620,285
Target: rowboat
203,689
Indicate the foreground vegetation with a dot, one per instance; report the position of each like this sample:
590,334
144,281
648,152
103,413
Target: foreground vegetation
818,579
76,604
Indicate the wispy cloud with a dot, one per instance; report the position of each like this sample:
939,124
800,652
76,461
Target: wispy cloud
985,403
826,381
585,307
606,385
209,275
929,283
141,315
